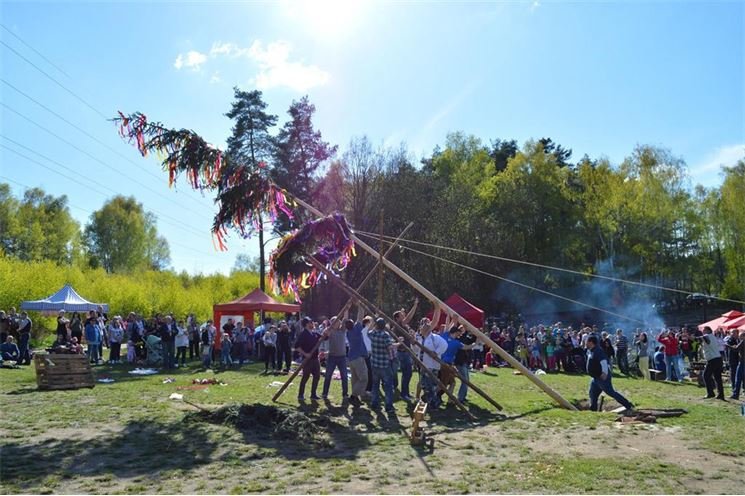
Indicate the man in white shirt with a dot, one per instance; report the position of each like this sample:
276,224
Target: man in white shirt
368,323
433,342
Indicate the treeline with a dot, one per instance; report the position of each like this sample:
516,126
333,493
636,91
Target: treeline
119,237
146,292
639,220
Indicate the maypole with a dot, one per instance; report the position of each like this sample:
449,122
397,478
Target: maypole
244,195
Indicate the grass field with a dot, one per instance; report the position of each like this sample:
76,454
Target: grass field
128,437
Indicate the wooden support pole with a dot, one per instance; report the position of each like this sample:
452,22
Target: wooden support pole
401,332
472,328
359,288
362,300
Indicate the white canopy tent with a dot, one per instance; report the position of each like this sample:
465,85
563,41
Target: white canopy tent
66,299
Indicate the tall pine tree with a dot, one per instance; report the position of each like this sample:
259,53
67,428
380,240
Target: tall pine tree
299,152
251,145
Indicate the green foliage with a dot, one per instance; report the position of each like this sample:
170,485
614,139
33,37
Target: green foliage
122,237
38,227
638,220
145,292
733,227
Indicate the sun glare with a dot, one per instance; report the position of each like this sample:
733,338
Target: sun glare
329,19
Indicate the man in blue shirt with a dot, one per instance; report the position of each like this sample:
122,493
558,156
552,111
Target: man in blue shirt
357,354
455,346
599,370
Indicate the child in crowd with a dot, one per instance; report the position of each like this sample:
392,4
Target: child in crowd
227,346
550,349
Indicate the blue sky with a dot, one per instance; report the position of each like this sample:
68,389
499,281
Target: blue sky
597,77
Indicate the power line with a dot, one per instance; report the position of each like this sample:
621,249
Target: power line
495,276
533,264
37,52
78,97
89,155
139,165
182,225
89,212
71,92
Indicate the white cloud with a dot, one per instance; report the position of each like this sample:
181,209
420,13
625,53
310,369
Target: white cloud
273,60
723,156
535,5
192,59
276,70
706,172
219,48
227,49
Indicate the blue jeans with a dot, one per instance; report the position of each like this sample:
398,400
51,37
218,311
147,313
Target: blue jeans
225,356
463,390
406,364
672,363
333,362
737,383
384,375
597,385
429,390
93,352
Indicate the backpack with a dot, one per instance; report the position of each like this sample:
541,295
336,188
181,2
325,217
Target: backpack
206,336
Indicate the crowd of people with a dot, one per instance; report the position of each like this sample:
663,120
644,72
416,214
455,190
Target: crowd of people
373,351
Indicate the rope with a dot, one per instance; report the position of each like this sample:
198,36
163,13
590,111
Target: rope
526,286
550,267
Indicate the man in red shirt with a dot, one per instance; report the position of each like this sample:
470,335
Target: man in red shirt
672,362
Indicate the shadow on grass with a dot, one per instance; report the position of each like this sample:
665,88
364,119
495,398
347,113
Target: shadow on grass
156,448
140,448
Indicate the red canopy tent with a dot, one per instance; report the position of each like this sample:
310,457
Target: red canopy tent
255,301
736,323
720,321
471,313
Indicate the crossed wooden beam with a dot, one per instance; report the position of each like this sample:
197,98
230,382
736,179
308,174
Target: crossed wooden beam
436,301
396,330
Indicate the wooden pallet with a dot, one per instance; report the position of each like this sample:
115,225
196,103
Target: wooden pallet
55,371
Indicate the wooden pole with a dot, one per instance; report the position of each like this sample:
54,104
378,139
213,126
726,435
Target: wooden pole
359,288
380,262
472,328
354,294
400,331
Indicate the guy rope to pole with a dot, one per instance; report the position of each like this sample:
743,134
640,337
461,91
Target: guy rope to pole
472,328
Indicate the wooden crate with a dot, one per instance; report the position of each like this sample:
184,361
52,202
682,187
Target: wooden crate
57,371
